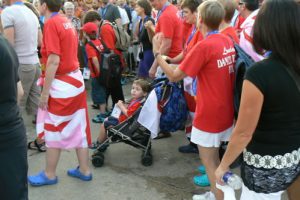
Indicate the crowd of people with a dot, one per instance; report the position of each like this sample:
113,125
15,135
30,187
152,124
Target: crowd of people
45,45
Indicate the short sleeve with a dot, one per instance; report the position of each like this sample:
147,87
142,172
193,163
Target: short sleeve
194,61
255,75
51,38
90,51
108,36
7,19
166,27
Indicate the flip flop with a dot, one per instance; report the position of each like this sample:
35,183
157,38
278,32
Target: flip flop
34,145
201,180
41,179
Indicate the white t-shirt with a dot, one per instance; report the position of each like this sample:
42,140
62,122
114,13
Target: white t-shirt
124,16
26,27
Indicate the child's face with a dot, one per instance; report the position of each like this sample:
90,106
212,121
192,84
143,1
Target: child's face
136,91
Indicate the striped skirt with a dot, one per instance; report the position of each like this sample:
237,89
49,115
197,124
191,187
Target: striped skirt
65,124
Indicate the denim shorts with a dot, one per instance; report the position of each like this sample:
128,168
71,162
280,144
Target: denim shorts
110,121
98,92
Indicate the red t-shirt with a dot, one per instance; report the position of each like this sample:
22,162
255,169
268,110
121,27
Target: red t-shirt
238,23
231,32
132,107
186,31
212,62
60,38
92,52
170,25
108,37
196,38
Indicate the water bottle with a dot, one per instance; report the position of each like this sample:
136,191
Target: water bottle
232,180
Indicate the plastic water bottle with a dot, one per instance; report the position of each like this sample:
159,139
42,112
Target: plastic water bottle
232,180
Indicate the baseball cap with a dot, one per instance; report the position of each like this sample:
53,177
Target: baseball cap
90,28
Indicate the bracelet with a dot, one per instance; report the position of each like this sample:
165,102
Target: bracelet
156,54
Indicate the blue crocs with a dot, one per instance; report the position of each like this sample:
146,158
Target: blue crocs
41,179
77,174
202,180
202,169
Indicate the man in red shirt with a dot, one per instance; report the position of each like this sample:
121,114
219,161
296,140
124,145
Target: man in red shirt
212,62
169,24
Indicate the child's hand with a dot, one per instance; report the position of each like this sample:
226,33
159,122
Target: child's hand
120,103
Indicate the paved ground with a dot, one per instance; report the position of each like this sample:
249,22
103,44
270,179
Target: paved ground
122,177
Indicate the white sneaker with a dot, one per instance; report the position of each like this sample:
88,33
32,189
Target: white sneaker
205,196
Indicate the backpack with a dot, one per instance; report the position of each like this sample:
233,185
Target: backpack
110,66
242,62
122,37
172,105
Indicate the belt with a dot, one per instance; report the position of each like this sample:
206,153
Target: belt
269,162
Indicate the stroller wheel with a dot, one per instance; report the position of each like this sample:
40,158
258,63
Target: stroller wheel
98,160
147,160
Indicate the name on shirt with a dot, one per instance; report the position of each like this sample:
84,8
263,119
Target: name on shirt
227,60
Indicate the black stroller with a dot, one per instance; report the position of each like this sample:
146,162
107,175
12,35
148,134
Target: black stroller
129,132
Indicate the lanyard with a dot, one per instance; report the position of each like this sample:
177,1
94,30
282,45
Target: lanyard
54,14
18,3
191,35
142,23
211,33
162,10
134,101
103,11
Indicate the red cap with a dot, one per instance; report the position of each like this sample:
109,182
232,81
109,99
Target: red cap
90,28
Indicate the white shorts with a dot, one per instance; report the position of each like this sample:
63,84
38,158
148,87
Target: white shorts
251,195
206,139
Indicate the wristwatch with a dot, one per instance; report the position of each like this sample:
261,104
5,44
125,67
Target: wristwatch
156,54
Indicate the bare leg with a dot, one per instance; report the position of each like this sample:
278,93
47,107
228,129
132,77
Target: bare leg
211,161
83,159
102,108
102,135
52,157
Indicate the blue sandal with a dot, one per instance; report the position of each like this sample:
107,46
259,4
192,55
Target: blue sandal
41,179
77,174
202,169
201,180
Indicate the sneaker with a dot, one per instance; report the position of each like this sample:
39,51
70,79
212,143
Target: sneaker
205,196
99,118
188,149
77,174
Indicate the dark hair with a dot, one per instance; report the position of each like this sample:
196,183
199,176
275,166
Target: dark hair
146,5
277,29
251,4
53,5
91,16
191,4
229,7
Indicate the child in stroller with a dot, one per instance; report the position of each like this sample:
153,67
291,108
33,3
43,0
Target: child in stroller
125,128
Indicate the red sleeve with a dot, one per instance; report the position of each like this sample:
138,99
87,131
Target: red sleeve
165,26
90,51
51,38
131,110
195,60
108,36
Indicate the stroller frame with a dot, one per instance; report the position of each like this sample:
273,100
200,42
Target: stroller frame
115,135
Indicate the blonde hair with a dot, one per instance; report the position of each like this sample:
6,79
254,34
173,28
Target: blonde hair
69,5
212,13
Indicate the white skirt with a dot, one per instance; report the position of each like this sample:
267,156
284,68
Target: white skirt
207,139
